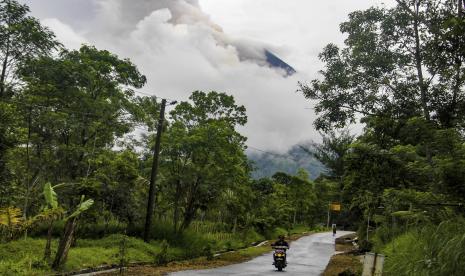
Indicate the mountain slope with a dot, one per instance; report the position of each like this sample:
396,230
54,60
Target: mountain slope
267,164
276,62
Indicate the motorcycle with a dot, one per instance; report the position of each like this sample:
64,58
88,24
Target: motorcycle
279,257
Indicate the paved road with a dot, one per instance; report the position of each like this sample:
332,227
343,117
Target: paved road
307,256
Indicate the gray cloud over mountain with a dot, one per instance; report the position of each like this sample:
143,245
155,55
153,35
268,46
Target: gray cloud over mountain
182,48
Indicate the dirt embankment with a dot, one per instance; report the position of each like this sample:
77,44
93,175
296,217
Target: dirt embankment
345,262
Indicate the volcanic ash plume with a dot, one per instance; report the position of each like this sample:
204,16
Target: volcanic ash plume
189,12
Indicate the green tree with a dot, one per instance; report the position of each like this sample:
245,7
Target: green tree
401,72
203,154
76,106
398,63
22,37
332,151
300,195
115,186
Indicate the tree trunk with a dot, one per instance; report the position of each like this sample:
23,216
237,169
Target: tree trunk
419,62
188,217
458,76
4,67
235,225
188,214
176,206
48,251
191,208
65,243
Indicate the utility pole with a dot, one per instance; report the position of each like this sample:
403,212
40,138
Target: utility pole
329,214
153,175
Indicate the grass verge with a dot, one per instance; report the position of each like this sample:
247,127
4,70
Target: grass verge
239,256
25,256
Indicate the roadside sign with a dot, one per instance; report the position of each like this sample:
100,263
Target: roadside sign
335,206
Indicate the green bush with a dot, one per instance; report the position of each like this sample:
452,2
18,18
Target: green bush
250,235
100,230
208,252
431,250
320,228
273,234
41,229
162,258
29,265
84,230
24,257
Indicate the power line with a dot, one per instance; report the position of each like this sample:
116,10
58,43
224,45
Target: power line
12,101
151,95
69,111
172,101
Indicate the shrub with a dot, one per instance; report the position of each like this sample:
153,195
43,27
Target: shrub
29,265
208,252
100,229
162,258
275,233
431,250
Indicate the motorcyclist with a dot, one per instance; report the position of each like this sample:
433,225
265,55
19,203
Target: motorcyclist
280,242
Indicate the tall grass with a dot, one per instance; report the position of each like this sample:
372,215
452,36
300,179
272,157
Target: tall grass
431,250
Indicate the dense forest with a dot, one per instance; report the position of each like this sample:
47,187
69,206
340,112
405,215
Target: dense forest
402,71
77,143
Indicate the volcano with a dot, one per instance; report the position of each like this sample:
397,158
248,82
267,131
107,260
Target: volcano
276,62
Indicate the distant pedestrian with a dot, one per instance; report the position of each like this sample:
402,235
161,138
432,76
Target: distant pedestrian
334,229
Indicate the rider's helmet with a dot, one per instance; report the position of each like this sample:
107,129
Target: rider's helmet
281,237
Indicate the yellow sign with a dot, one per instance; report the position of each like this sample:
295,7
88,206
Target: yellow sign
335,206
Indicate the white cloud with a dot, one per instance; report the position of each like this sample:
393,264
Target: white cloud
180,49
64,33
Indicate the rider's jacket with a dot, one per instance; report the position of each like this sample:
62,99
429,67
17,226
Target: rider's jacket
280,243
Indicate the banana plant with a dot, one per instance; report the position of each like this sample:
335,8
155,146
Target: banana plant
51,213
70,227
50,196
82,207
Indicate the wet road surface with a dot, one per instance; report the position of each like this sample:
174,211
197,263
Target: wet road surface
306,256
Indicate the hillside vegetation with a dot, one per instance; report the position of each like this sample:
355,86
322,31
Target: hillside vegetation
80,185
402,72
267,164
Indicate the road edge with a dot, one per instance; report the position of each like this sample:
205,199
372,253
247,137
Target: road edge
219,260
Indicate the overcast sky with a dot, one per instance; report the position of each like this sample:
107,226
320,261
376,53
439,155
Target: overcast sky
187,45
